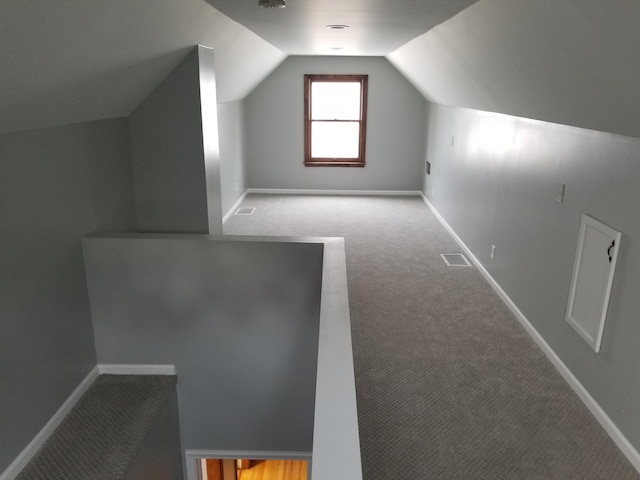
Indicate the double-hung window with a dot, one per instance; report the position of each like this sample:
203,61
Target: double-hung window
335,120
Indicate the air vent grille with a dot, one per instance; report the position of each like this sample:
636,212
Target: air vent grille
245,211
455,260
272,3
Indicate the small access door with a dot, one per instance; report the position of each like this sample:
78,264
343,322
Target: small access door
593,270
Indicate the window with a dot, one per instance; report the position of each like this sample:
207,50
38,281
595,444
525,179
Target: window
335,118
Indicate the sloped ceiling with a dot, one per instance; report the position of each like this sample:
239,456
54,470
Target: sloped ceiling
574,62
68,61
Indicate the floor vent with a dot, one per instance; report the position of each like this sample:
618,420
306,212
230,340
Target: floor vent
455,260
245,211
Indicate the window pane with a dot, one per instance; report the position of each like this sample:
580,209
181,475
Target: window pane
335,139
335,100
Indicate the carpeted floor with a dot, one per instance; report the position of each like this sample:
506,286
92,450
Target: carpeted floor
449,385
104,432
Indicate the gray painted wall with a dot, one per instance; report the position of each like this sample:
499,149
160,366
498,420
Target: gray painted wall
160,456
168,154
239,320
275,141
231,128
496,183
56,185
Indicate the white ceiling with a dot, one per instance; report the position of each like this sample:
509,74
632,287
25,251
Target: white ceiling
377,27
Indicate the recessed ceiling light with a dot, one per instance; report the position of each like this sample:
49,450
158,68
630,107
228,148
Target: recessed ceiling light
336,48
272,3
337,27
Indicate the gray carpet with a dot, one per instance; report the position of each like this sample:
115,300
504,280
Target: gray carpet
102,434
449,385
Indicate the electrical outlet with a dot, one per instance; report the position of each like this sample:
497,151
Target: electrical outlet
493,252
560,194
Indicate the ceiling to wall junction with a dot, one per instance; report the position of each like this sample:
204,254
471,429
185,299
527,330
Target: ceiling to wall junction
573,62
70,61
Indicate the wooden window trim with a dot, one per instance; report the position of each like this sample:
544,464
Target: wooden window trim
335,162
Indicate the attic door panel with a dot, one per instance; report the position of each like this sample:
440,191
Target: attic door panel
592,280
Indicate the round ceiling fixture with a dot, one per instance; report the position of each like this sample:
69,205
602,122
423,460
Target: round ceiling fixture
272,3
337,27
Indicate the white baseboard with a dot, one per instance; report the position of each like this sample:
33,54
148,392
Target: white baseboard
234,208
126,369
30,450
292,191
596,410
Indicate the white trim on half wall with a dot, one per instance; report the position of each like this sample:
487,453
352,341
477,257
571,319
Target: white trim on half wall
127,369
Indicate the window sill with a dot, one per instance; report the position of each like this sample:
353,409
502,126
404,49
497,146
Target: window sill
333,163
